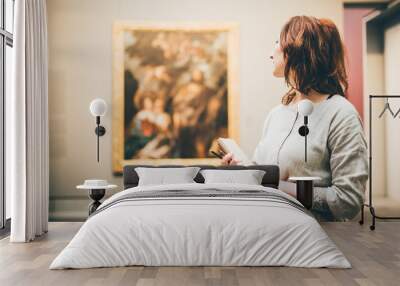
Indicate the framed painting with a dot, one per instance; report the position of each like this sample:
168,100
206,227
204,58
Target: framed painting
175,91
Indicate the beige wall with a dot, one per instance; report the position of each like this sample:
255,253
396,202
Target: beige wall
381,73
80,70
392,86
373,61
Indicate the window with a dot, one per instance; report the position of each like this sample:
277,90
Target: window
6,44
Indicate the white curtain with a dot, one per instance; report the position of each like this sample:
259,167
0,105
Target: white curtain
27,122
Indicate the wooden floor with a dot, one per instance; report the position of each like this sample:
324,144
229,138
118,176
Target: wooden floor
375,257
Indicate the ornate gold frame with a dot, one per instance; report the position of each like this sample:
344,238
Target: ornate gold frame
118,89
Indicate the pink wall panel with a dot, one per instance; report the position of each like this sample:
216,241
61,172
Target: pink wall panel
353,42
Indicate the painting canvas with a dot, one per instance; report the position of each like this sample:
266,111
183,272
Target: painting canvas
174,92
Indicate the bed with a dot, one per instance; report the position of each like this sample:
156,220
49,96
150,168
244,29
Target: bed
198,224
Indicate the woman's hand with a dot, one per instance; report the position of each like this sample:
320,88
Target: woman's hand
229,160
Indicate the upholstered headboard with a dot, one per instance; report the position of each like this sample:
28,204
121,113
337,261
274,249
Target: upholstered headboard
270,179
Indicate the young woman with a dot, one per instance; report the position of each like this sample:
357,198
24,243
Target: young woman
310,56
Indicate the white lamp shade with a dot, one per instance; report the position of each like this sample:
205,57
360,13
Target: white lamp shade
305,107
98,107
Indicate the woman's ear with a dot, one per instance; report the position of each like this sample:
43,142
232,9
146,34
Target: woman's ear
278,62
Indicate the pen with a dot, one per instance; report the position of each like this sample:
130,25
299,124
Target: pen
216,155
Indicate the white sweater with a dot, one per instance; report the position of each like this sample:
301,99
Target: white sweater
337,152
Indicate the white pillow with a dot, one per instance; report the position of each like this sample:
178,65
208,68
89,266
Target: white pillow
163,176
249,177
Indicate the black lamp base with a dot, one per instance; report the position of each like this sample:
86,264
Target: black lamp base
305,193
100,130
96,195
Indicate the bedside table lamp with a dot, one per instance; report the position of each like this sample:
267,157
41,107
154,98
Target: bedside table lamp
305,185
98,108
97,190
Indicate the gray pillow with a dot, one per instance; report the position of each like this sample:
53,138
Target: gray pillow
163,176
249,177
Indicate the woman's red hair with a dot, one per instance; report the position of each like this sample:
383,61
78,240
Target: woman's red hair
314,57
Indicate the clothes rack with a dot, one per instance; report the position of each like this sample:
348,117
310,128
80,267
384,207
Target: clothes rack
370,201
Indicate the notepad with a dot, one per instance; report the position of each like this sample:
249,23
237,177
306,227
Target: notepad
228,145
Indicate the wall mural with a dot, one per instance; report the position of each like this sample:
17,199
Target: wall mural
174,92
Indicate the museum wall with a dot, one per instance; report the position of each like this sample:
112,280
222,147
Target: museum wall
80,69
381,61
392,86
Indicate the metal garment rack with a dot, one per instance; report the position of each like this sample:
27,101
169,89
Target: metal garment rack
370,205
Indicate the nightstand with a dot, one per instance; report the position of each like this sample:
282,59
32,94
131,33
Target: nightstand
97,190
305,190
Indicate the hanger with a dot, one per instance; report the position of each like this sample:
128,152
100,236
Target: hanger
397,113
387,107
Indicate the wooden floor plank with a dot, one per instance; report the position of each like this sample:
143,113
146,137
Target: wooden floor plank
374,255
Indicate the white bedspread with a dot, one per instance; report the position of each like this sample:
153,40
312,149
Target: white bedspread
182,231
